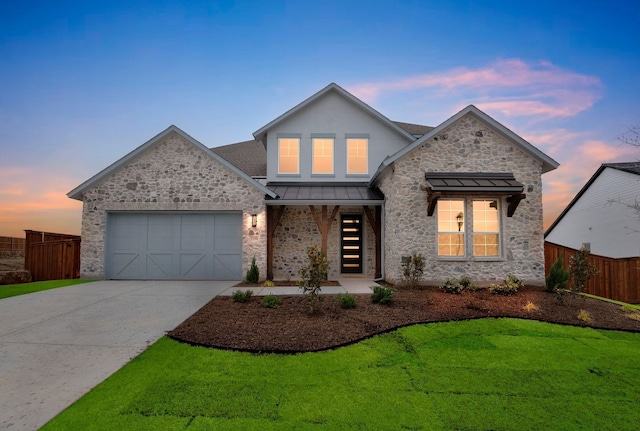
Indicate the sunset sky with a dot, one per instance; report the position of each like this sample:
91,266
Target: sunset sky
84,83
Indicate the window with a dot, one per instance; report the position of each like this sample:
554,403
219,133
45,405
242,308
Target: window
288,155
322,155
486,228
357,162
451,226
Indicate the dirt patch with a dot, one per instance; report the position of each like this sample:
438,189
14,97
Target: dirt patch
290,328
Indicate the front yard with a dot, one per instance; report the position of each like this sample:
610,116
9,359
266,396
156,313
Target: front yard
499,374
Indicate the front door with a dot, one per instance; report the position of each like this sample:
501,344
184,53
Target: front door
351,243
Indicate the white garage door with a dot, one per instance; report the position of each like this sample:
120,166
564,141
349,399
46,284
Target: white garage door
174,246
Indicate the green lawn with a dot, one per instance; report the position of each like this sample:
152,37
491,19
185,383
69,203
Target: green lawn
490,374
24,288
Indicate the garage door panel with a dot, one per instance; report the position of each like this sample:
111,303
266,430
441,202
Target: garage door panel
195,266
200,246
223,264
160,265
126,265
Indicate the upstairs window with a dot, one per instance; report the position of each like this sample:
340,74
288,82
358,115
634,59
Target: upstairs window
322,155
288,155
451,226
486,228
357,159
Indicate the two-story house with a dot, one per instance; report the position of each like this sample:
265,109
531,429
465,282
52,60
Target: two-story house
331,171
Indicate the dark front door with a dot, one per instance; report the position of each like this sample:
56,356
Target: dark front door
351,243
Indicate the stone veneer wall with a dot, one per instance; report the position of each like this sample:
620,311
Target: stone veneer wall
298,230
172,175
469,145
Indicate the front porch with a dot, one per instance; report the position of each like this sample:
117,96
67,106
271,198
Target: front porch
345,221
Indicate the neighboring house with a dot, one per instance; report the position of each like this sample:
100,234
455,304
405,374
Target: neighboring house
604,215
331,171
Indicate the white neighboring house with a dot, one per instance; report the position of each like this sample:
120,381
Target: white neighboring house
602,216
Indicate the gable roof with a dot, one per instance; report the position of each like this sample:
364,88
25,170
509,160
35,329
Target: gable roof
630,167
415,129
77,192
548,164
248,156
333,87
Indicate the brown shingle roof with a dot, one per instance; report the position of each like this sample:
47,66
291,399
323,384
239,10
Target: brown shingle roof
414,129
248,156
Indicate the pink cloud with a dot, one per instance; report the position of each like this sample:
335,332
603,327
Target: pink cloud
511,86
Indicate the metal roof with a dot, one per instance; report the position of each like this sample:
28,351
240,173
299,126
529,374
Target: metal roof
309,193
473,182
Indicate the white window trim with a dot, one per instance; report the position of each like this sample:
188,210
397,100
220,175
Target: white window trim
313,154
354,137
297,137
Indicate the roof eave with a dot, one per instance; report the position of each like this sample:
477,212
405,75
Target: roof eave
262,132
78,191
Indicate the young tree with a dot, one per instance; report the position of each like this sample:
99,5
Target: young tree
581,270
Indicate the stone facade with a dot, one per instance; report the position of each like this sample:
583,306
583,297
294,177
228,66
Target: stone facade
171,175
468,145
298,230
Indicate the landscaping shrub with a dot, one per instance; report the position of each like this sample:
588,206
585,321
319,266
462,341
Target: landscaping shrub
584,316
509,286
451,285
468,284
313,275
346,300
269,283
270,301
412,270
253,274
382,295
581,270
558,276
240,296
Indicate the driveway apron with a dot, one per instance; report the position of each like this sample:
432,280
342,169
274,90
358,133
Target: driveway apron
58,344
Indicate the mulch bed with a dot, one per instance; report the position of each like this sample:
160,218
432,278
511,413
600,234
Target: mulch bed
290,328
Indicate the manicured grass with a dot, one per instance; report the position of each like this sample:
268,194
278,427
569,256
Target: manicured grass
490,374
24,288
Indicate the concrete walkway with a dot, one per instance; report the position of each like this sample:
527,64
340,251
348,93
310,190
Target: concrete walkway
355,286
58,344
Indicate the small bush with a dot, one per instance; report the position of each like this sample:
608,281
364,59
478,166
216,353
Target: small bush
240,296
451,285
382,295
558,276
530,307
253,274
312,275
346,300
269,283
584,316
412,270
581,270
508,287
467,283
270,301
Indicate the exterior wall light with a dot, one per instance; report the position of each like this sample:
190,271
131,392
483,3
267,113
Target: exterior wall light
460,219
254,220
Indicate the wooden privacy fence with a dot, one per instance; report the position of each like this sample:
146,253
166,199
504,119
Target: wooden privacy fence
8,243
617,279
52,256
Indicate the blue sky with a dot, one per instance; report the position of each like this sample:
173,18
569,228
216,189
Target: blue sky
84,83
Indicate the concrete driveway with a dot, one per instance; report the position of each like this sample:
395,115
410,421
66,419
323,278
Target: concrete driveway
58,344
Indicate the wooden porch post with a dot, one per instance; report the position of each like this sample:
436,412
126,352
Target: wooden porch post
376,224
324,223
273,218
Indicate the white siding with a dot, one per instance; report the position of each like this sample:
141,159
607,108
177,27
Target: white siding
333,114
602,217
